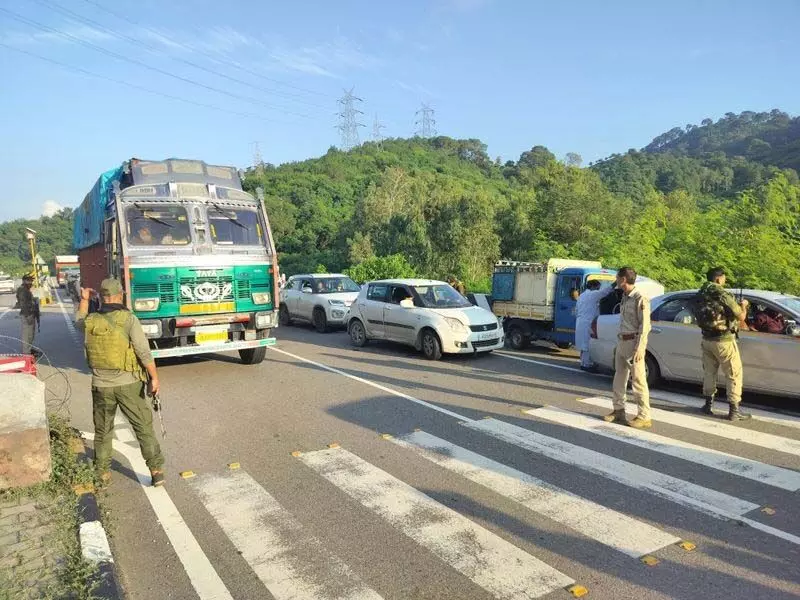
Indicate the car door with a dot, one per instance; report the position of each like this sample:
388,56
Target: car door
371,308
305,298
675,339
566,305
400,323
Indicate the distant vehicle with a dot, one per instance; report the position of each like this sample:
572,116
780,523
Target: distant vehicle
7,284
771,360
64,265
321,299
429,315
535,299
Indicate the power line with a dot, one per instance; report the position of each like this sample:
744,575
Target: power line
207,54
348,120
426,124
134,61
151,48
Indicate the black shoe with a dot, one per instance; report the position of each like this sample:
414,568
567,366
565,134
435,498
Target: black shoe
734,414
157,478
707,407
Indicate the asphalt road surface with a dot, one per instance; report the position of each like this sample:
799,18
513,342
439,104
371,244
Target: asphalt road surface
333,472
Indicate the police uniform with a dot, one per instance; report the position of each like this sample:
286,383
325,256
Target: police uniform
634,327
117,352
28,310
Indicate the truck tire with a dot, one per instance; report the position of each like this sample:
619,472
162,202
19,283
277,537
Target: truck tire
563,345
431,346
253,356
517,339
320,320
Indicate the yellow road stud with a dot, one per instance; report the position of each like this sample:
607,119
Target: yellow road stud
187,474
234,466
650,560
768,511
577,590
688,546
386,436
486,417
333,445
417,429
296,453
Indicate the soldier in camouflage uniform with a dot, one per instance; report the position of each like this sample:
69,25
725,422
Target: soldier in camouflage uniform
120,360
718,315
28,314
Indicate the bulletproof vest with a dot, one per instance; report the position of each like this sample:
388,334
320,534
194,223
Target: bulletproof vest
108,345
710,312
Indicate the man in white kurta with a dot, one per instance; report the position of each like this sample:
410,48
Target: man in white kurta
586,310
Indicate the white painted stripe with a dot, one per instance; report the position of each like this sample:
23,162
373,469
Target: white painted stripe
721,461
597,522
204,579
632,475
94,543
724,430
540,362
383,388
4,311
292,564
488,560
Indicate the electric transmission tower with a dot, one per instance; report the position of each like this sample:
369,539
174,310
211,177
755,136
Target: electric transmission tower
426,124
377,136
348,120
258,160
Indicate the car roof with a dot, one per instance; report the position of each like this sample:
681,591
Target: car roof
760,294
412,282
317,275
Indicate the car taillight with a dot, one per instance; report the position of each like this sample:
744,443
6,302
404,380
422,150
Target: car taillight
593,331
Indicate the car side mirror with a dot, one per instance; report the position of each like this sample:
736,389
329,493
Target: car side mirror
407,303
793,329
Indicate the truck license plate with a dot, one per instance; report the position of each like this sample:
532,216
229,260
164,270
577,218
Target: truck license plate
211,337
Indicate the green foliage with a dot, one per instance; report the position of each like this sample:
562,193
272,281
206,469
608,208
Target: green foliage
381,267
53,236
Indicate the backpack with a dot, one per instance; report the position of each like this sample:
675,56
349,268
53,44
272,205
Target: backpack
710,312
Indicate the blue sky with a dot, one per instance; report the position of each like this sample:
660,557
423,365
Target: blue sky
582,76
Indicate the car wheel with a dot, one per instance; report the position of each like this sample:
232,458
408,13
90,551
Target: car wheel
358,336
283,316
320,320
431,346
253,356
651,371
517,338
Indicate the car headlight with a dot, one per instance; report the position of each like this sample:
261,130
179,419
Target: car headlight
336,302
456,325
265,320
261,297
146,304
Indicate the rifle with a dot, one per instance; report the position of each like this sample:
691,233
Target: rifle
157,408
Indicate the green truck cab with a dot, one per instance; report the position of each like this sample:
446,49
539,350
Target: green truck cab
193,250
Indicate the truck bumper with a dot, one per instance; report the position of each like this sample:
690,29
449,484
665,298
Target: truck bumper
211,348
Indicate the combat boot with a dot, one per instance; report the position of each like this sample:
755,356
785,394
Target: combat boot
640,423
734,414
616,416
707,407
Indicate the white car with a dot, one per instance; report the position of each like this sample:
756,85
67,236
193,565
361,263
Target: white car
771,360
6,284
429,315
321,299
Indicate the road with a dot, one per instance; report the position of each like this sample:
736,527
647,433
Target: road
372,473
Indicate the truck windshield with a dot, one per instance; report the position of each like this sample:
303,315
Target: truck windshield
234,226
606,280
157,225
440,296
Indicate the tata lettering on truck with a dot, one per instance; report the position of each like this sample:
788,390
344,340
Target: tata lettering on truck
193,250
536,301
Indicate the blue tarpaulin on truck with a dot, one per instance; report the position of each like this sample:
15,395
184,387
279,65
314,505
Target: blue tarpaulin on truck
90,215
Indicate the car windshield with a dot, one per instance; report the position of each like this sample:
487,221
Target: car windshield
790,302
157,225
335,285
234,227
440,296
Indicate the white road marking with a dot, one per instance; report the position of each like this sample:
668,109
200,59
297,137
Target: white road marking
607,526
274,544
542,363
204,579
724,430
94,543
494,564
372,384
715,459
3,312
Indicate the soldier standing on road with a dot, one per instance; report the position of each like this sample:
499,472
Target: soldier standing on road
718,315
28,314
634,327
120,360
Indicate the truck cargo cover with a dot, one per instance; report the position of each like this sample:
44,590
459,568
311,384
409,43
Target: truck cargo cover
90,215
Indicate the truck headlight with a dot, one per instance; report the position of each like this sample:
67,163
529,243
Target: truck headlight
146,304
152,328
261,297
456,325
265,320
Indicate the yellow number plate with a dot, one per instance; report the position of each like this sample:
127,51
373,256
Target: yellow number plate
207,307
211,337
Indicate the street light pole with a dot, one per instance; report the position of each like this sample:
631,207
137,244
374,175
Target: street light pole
30,234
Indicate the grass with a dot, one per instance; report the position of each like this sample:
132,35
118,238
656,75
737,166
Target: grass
69,576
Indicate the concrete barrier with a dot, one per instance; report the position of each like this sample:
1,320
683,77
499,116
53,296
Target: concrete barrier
24,431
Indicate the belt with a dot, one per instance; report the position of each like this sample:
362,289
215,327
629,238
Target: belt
627,336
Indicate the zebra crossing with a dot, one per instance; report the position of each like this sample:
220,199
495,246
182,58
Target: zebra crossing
294,564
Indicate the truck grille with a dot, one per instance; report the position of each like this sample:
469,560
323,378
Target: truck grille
484,343
244,288
164,291
487,327
206,289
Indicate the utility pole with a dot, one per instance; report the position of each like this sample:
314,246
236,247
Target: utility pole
30,234
426,124
377,137
348,120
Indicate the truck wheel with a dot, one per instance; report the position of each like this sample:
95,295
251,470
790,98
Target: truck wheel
517,338
253,356
357,333
320,320
563,345
431,346
283,316
652,372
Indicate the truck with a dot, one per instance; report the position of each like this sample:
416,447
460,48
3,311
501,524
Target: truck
65,265
193,250
535,300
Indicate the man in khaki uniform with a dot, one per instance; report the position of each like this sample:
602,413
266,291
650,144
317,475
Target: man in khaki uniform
718,315
634,327
28,314
119,355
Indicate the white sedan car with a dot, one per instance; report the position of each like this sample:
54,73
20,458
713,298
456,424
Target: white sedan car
429,315
771,360
321,299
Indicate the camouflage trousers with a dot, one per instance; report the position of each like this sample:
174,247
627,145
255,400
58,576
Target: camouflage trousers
133,404
722,354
